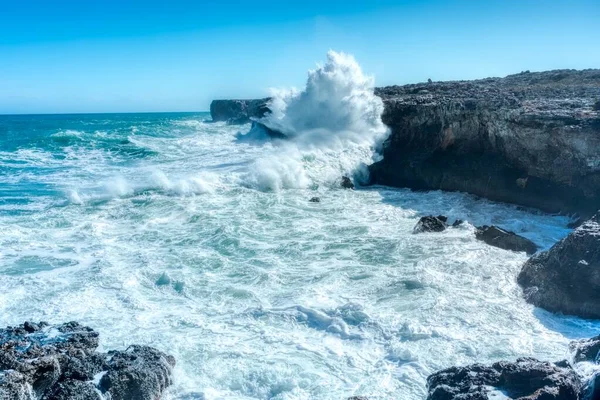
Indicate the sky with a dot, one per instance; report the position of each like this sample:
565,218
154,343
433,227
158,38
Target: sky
134,56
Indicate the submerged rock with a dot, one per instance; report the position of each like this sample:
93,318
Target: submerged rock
525,379
506,240
566,278
315,200
347,183
39,361
431,224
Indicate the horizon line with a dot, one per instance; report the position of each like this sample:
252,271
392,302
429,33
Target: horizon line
102,112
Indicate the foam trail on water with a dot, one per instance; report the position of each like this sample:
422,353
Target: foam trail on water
334,127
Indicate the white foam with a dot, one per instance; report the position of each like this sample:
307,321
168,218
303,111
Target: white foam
333,126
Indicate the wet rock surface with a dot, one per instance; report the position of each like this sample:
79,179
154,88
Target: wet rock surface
41,361
525,379
347,183
431,224
566,278
503,239
531,139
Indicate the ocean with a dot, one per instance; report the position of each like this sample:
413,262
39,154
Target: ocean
199,239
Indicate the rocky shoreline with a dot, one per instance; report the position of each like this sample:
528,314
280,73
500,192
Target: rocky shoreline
531,139
61,362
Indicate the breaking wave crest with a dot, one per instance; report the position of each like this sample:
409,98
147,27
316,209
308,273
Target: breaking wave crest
333,128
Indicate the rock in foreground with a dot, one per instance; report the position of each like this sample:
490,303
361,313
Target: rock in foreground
525,379
566,278
40,361
506,240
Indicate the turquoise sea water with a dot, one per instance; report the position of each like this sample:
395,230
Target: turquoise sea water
167,230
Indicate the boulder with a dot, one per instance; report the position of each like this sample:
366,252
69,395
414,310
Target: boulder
347,183
506,240
140,373
525,379
431,224
566,278
40,361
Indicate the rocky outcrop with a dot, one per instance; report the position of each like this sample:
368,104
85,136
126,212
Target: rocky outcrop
431,224
238,111
566,278
531,139
525,379
40,361
506,240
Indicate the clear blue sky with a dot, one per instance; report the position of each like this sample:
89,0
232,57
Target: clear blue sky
119,56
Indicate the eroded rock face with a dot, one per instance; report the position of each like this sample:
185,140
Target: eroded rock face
525,379
566,278
503,239
39,361
531,139
238,111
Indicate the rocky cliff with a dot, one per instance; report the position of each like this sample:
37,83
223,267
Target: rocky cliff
237,111
531,139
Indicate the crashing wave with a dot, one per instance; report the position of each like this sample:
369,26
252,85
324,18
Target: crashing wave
334,127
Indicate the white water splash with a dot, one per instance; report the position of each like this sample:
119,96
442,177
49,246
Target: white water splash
334,128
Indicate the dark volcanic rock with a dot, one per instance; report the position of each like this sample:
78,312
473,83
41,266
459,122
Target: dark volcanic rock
531,139
315,200
140,372
347,183
38,361
238,111
431,224
506,240
525,379
566,278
